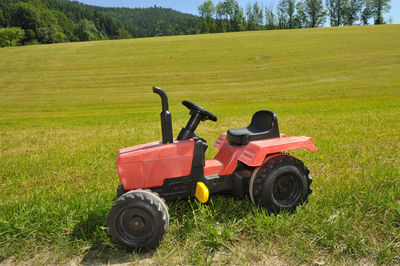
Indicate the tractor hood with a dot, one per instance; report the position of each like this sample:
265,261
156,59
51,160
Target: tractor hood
147,165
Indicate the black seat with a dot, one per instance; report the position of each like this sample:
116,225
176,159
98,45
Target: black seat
264,125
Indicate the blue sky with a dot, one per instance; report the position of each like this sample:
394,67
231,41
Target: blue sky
191,5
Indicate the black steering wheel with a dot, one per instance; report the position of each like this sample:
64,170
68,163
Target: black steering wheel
206,115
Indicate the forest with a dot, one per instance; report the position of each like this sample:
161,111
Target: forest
24,22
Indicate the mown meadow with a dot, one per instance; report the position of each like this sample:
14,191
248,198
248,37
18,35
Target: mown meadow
66,109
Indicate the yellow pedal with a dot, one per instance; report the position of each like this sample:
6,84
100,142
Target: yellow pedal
202,192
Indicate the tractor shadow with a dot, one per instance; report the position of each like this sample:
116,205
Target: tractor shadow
93,230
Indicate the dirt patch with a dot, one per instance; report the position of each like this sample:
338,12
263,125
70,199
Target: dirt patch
86,259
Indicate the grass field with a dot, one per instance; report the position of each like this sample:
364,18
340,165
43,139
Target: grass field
66,109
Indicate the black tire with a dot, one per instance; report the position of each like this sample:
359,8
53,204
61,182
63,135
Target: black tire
280,184
138,220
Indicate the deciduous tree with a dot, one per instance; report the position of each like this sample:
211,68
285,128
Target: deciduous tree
11,36
207,12
366,13
378,8
352,11
343,12
220,15
123,34
335,11
315,13
300,19
255,16
60,36
86,31
270,18
287,9
238,21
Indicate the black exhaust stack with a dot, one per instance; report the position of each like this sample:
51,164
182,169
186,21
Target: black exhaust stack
166,122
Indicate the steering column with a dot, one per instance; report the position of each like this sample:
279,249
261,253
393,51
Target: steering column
197,114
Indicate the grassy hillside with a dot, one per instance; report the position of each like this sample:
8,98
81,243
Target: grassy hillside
66,109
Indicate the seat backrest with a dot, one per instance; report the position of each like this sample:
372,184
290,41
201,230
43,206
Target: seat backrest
263,121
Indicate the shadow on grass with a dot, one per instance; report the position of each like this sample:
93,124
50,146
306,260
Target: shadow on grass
93,232
211,221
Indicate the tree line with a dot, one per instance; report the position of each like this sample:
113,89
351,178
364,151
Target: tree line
36,21
24,22
227,15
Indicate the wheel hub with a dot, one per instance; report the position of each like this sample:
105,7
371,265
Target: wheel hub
286,189
137,223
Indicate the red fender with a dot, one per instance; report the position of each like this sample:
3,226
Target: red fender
256,151
252,154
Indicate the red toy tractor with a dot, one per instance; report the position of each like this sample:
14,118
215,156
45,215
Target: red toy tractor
251,161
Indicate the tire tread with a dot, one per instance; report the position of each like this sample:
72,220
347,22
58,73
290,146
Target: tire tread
152,199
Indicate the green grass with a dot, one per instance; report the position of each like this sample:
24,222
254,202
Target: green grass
66,109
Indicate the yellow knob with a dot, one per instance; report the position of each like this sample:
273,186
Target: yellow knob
202,192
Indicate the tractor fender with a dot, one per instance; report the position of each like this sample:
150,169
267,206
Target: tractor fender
254,153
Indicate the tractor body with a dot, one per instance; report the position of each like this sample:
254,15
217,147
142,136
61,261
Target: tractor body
251,161
172,170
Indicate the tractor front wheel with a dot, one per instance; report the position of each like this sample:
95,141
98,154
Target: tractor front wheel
281,183
138,220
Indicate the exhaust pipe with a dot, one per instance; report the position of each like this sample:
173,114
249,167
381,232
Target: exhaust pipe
166,122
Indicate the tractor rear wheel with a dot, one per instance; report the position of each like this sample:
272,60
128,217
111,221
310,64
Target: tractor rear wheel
281,183
138,220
